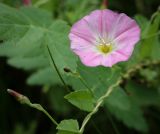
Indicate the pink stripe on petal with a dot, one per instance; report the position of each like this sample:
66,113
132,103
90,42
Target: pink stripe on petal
83,36
122,53
127,39
109,18
79,44
118,56
91,59
82,30
125,25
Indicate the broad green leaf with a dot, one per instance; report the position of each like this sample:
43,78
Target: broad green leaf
29,63
118,98
36,14
132,117
143,95
74,82
68,127
58,43
25,33
82,99
46,76
100,78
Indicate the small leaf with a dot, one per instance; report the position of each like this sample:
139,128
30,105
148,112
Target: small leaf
68,127
82,99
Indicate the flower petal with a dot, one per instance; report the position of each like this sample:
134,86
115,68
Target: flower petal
114,57
101,22
107,61
104,26
90,58
126,32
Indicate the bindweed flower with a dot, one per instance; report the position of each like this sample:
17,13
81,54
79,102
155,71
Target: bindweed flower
104,38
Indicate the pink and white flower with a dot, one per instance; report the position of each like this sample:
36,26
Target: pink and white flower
104,38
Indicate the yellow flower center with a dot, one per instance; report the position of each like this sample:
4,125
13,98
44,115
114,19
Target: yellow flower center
105,48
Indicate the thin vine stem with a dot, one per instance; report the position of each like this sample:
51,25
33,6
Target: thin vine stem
25,100
99,102
40,108
54,64
111,88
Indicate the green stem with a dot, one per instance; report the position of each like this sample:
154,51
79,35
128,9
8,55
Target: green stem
49,116
25,100
111,88
54,64
85,84
40,108
99,103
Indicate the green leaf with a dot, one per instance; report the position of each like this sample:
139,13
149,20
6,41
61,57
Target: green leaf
30,34
82,99
142,95
150,40
25,33
65,132
143,22
43,15
126,110
29,63
99,78
132,117
68,127
74,82
119,99
46,76
59,45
